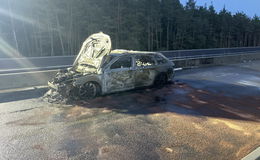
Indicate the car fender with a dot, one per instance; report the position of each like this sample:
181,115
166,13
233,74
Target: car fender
88,78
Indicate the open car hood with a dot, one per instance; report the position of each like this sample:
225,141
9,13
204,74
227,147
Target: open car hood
94,48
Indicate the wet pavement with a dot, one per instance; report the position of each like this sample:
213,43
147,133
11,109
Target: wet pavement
206,113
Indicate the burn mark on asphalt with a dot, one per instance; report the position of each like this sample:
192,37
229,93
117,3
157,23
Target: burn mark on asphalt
220,105
178,97
102,134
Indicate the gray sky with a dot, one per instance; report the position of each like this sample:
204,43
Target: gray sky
249,7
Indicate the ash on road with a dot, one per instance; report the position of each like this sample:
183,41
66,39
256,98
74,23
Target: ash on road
207,113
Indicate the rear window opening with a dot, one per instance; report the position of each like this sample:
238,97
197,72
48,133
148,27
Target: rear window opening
142,61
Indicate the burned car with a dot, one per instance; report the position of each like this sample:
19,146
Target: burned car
97,70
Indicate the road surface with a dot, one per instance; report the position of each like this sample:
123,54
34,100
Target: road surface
206,113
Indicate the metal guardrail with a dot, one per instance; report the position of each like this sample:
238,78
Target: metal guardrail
207,52
8,65
8,71
211,56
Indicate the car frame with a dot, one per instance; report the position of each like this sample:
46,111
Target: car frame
107,80
98,71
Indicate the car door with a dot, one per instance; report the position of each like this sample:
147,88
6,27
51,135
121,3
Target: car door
145,70
119,76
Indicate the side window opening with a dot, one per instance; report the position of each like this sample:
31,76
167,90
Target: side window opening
106,60
144,60
160,59
123,62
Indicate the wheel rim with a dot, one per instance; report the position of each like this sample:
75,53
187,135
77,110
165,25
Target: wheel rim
161,80
88,90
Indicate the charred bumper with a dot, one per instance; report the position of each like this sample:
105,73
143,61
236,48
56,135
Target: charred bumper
60,87
53,86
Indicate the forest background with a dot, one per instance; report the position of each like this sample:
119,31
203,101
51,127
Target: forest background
58,27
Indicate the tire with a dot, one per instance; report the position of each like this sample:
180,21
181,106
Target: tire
89,90
160,80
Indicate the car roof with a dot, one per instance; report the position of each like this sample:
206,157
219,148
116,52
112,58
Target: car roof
120,52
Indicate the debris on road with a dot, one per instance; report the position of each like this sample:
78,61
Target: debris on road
169,150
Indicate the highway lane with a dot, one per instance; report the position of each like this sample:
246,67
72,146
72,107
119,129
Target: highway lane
41,63
207,113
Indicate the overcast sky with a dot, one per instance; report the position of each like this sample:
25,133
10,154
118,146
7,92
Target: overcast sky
249,7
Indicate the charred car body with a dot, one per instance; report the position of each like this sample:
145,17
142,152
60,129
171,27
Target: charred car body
97,70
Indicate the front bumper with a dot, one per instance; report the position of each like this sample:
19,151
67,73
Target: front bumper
52,85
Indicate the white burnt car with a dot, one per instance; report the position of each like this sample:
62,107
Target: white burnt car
97,70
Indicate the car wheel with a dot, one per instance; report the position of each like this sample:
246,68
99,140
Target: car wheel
88,90
160,80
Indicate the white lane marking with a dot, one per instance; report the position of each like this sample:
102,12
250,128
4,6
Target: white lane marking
22,89
253,155
44,71
249,83
177,69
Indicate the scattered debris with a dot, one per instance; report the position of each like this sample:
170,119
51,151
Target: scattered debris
169,150
62,87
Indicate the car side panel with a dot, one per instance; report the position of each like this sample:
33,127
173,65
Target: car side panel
120,80
145,76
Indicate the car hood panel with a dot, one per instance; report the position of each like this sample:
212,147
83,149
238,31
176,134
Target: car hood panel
94,48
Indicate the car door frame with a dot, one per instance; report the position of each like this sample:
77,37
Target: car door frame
151,69
106,77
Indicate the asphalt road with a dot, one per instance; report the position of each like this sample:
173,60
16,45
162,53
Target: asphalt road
207,113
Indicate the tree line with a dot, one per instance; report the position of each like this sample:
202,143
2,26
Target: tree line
58,27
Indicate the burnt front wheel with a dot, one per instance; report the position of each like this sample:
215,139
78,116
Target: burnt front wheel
88,90
160,80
